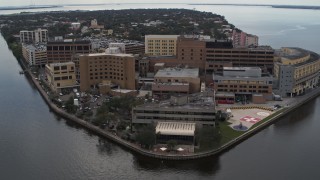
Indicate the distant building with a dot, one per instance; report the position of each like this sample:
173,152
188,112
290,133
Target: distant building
35,54
176,81
161,45
195,108
36,36
119,69
61,76
296,71
75,25
129,48
243,82
242,39
94,25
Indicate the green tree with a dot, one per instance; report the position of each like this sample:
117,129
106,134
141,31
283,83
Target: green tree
171,144
147,136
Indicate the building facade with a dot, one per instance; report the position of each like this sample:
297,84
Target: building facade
117,68
196,108
296,71
61,75
176,81
243,81
242,39
65,50
36,36
35,54
219,53
161,45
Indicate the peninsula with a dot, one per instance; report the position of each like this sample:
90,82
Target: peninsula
166,83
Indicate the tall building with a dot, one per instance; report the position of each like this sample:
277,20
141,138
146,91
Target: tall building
242,39
61,75
36,36
220,53
161,45
35,54
67,50
99,67
296,71
64,51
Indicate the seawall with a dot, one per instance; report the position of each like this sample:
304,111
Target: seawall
151,154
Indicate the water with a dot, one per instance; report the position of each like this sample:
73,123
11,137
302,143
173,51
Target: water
35,144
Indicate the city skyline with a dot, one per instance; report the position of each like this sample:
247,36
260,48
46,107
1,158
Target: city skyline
46,2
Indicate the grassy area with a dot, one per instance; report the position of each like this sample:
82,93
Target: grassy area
228,133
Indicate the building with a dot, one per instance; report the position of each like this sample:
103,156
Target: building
212,55
183,133
242,39
222,53
67,50
61,76
296,71
36,36
119,69
35,54
64,51
191,51
195,108
129,48
161,45
244,82
95,25
176,81
75,25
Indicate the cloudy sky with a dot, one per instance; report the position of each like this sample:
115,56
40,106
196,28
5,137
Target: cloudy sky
40,2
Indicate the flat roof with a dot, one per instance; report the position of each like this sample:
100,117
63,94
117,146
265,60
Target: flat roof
176,128
123,90
161,36
61,64
36,47
178,72
106,54
240,68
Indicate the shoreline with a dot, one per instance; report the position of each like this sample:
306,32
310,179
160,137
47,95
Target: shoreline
135,148
27,7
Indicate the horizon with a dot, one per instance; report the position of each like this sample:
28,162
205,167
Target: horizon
13,3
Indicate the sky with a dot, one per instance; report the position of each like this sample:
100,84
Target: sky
48,2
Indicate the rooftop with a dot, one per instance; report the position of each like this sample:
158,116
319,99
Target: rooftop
62,64
292,53
36,47
240,68
162,36
105,54
175,128
178,72
200,101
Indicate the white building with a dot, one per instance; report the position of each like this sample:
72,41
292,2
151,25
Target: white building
36,36
75,25
35,54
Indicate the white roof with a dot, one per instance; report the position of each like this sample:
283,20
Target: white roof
178,72
176,128
105,54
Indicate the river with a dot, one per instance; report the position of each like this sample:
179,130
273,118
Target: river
36,144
